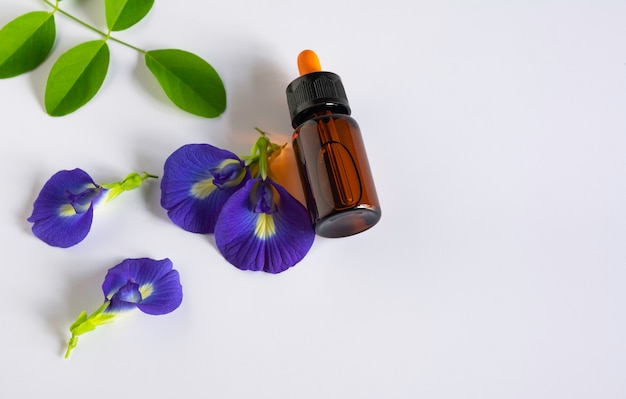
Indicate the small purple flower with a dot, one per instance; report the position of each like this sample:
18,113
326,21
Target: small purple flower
263,227
149,285
197,181
63,211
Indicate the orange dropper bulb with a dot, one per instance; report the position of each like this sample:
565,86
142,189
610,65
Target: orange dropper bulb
308,62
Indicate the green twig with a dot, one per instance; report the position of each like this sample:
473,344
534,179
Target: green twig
90,27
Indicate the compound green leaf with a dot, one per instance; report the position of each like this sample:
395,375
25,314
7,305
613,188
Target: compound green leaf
189,81
122,14
76,77
26,42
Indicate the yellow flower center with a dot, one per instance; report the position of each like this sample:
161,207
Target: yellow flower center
146,290
265,227
203,189
67,210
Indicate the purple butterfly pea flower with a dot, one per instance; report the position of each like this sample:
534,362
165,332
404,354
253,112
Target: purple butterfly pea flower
152,286
263,227
197,181
258,225
149,285
63,211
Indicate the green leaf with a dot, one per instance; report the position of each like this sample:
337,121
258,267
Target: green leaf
26,42
76,77
189,81
122,14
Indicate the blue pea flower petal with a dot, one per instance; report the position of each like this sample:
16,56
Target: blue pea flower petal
125,298
197,180
150,285
263,227
63,211
162,296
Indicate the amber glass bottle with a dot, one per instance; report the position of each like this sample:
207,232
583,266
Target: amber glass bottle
332,162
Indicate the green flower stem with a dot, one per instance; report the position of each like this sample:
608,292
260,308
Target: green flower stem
130,182
261,155
86,323
107,36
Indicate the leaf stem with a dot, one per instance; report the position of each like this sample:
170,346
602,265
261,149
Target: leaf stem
90,27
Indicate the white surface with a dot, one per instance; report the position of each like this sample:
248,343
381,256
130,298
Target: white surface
497,137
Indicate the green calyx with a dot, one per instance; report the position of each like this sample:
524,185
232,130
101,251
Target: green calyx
262,153
86,323
130,182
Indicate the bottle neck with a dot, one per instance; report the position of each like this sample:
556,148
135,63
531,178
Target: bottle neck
321,110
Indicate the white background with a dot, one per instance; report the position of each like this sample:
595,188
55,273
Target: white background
496,132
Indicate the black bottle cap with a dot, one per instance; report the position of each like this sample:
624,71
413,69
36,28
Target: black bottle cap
316,92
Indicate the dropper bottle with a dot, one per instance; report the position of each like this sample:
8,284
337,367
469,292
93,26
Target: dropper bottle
332,162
